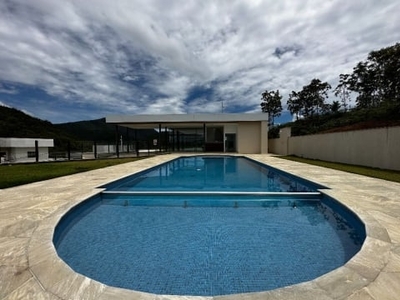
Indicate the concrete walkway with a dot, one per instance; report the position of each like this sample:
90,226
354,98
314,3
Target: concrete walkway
31,269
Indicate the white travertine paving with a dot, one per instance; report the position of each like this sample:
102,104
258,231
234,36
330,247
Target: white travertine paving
31,269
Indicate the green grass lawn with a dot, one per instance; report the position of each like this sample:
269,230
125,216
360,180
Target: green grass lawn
17,174
366,171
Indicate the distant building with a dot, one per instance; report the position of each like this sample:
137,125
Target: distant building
240,133
17,150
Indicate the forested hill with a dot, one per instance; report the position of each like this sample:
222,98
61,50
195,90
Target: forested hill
15,123
98,130
94,130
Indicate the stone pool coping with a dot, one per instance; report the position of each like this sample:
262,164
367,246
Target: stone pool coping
31,269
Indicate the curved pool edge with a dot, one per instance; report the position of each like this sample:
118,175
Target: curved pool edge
352,281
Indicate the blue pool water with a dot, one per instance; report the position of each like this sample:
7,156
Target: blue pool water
207,243
212,173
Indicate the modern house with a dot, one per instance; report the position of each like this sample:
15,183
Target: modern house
24,149
240,133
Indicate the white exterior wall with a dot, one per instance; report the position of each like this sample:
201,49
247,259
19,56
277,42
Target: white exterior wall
17,149
248,138
21,154
264,137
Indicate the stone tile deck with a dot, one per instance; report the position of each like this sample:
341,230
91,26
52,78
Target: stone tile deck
31,269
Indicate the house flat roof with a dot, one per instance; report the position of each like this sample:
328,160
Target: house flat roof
183,118
25,142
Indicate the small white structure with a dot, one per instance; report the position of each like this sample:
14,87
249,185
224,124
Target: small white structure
24,149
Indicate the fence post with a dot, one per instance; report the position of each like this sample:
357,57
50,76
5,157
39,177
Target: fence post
95,150
117,140
37,151
166,142
127,140
69,150
136,143
159,137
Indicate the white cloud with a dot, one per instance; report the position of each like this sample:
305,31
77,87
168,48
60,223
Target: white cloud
145,56
7,90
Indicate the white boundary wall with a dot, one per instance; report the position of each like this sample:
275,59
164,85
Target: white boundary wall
377,148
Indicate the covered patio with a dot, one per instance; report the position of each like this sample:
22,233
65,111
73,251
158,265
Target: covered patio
235,133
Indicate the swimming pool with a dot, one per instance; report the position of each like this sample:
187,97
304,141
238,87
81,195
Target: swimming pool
207,243
213,173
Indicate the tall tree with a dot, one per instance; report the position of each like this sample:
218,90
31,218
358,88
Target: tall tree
310,100
343,92
376,80
271,104
294,104
386,66
335,106
314,96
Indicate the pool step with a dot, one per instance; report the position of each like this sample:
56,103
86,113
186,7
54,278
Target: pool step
213,193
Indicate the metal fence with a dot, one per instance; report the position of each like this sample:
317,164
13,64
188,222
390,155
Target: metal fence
104,149
80,150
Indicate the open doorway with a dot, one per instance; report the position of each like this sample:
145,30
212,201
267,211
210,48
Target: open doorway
230,142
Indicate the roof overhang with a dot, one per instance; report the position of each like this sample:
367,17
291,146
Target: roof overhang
182,120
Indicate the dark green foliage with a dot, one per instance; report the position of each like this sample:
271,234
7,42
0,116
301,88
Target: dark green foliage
335,106
384,115
100,131
15,123
294,104
93,130
376,80
343,92
273,132
271,104
310,100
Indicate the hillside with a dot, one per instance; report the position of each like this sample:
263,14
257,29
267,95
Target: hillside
98,130
93,130
15,123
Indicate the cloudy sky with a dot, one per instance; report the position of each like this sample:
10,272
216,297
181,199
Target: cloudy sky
69,60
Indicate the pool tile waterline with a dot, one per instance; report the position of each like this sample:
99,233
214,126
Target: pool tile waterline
30,212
